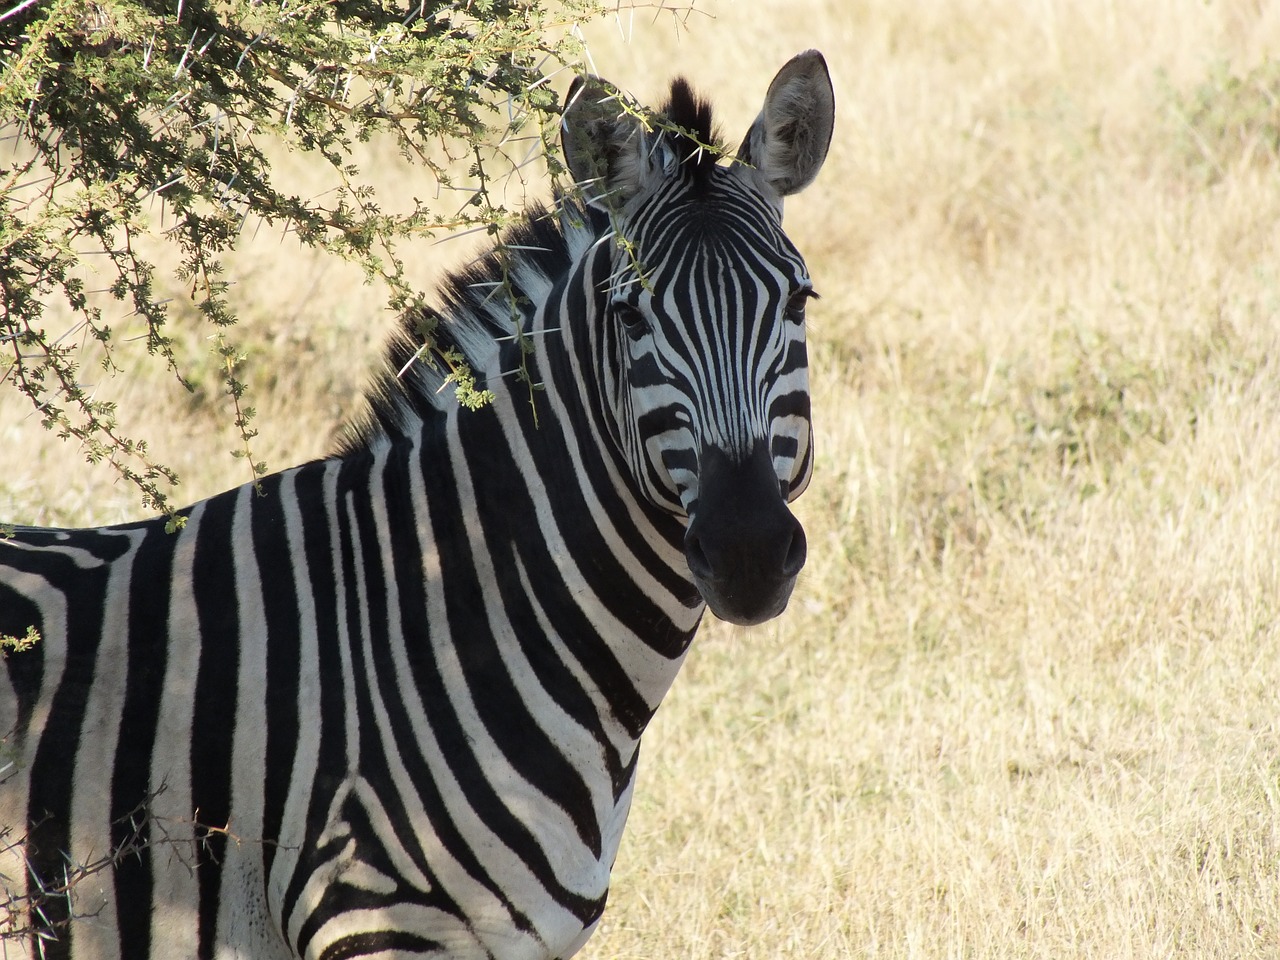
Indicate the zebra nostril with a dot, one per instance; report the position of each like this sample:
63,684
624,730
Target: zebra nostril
797,551
699,564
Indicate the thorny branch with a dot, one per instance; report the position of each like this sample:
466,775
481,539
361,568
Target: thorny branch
109,108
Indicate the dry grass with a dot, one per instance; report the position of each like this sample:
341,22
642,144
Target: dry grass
1027,700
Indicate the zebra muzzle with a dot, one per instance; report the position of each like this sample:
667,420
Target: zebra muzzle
743,546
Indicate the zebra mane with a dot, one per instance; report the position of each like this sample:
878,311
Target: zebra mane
474,320
690,113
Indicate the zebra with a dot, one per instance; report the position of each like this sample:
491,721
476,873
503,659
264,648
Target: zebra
390,704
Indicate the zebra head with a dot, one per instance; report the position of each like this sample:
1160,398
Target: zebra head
700,302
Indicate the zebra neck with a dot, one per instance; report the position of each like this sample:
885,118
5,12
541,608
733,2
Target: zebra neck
559,568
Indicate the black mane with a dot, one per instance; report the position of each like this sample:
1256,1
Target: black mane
472,319
692,115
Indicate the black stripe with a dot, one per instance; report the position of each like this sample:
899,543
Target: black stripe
792,404
784,447
213,717
278,570
26,669
365,944
53,768
131,788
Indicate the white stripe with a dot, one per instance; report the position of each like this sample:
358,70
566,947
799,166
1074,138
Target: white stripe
243,917
81,557
175,892
293,823
351,722
91,789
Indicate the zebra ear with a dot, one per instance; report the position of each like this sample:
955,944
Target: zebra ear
788,141
605,147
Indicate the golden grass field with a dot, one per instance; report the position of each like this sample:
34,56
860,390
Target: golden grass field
1026,701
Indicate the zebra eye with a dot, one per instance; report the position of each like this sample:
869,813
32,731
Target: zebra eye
633,320
796,305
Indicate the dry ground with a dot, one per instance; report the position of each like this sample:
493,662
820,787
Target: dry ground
1026,702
